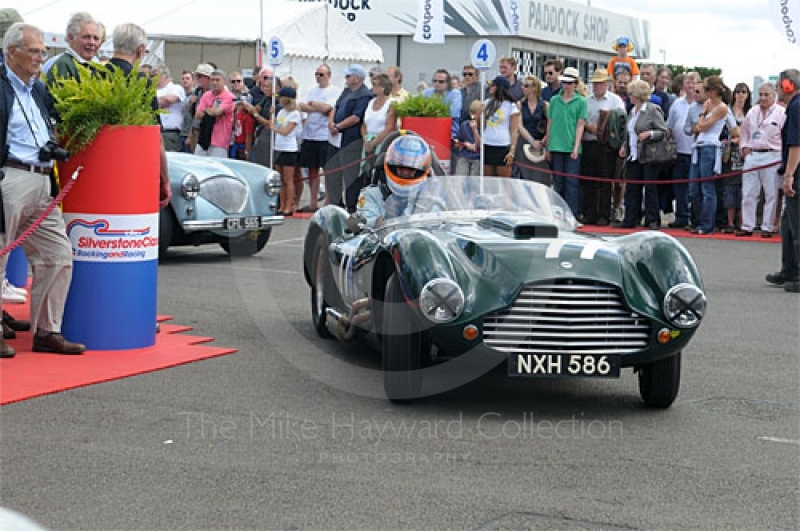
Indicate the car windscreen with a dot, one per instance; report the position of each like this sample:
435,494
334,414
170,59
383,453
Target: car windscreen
469,198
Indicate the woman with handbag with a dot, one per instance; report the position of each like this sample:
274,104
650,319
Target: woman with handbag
645,125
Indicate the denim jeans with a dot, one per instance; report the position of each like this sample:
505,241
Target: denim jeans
703,195
567,187
680,172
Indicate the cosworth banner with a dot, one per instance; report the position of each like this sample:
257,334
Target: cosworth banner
113,238
430,22
785,14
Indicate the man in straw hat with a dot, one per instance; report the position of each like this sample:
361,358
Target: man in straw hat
598,159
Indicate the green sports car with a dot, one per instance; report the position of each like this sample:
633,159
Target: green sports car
476,272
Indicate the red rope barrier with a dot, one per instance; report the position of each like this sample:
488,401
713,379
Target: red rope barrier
630,181
35,225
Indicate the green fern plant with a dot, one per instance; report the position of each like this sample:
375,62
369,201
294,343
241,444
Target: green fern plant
111,98
419,105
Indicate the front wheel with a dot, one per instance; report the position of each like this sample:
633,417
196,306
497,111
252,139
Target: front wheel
247,245
320,280
659,382
402,346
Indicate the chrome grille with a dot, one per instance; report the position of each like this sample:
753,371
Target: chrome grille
226,193
572,317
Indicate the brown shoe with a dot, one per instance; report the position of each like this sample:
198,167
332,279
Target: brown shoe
56,343
766,234
6,351
741,233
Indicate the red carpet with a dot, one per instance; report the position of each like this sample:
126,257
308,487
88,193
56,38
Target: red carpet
31,374
681,233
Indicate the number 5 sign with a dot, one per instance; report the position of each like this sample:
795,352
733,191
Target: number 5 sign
275,51
483,54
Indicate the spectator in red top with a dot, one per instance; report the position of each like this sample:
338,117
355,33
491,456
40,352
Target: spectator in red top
244,126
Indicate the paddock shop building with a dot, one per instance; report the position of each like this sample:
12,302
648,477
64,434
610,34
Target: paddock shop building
531,31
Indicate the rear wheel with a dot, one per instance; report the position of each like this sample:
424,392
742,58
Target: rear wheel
247,245
402,346
166,227
659,381
320,280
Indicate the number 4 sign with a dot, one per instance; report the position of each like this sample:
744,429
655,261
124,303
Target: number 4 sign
483,54
275,51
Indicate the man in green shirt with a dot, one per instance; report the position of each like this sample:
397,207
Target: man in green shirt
83,41
567,117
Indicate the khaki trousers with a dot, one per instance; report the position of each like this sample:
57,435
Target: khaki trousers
26,195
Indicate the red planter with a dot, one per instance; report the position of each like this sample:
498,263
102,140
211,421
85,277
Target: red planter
111,217
437,132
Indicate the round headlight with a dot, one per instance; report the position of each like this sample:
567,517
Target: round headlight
441,300
685,305
190,186
273,183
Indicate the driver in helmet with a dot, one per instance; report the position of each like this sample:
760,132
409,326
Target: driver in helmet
406,166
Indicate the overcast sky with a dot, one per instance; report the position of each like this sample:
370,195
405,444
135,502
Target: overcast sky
735,35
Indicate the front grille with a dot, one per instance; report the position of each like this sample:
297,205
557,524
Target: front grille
226,193
567,317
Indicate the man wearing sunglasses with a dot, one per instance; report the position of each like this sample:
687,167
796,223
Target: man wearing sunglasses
552,70
441,89
318,104
470,91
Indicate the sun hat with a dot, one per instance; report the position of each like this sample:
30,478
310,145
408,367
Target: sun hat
204,69
570,74
355,70
600,75
532,154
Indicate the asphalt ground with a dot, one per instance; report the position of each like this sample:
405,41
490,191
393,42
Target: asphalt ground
292,431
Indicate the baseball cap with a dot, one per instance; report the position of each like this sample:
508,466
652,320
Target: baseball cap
204,69
570,74
356,70
500,81
287,92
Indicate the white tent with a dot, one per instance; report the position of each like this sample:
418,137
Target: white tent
311,32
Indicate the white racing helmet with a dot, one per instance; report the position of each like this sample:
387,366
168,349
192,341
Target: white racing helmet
407,152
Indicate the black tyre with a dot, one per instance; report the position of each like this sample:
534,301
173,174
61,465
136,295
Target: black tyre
247,245
166,228
659,382
320,280
402,346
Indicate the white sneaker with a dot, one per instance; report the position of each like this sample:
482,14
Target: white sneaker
12,297
9,286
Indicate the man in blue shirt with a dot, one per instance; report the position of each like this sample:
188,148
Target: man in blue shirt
441,88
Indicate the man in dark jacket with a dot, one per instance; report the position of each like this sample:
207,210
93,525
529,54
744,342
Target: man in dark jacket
25,131
344,124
